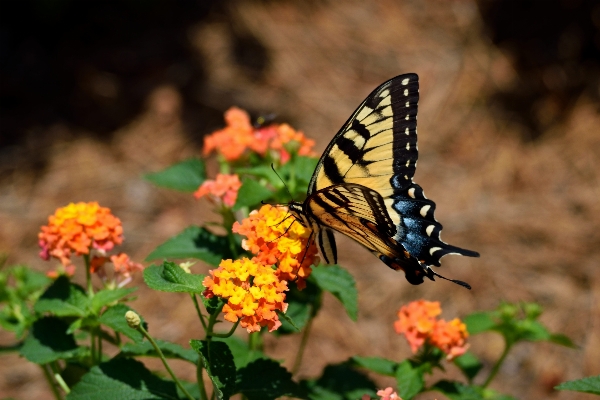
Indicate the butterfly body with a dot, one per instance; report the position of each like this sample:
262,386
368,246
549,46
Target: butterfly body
362,187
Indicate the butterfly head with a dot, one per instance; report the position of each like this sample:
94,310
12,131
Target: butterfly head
297,210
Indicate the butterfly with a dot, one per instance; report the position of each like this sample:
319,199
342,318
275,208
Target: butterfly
363,187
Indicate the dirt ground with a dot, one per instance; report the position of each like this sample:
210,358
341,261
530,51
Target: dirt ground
522,192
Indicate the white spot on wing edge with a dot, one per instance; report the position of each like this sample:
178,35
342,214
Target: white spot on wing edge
405,81
407,116
424,210
434,249
407,146
406,131
407,104
411,193
406,92
429,229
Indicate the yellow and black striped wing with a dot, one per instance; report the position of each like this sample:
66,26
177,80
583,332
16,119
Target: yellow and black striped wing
377,146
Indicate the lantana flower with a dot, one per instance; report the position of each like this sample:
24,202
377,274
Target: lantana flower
78,228
276,239
223,189
240,135
418,322
124,268
384,394
253,292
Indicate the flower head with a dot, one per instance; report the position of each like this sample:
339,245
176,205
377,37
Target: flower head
275,239
253,292
388,394
224,188
78,228
239,135
418,322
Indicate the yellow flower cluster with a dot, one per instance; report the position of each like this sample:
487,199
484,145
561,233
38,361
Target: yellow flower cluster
276,239
253,293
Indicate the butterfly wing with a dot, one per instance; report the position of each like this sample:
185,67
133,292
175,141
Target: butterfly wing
363,188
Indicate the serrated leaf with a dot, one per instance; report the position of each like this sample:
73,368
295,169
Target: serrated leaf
251,194
114,318
170,277
108,296
218,361
381,366
479,322
63,299
122,378
468,364
169,350
194,242
185,176
48,341
242,354
341,284
586,385
409,380
340,382
266,379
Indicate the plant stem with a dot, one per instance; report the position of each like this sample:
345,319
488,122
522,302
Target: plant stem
50,381
226,335
88,275
498,364
200,379
200,315
303,342
164,361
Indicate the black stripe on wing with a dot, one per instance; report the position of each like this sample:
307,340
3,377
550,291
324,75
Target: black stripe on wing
419,231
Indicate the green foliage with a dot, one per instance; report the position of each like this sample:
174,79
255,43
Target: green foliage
63,299
585,385
241,351
169,277
169,350
194,242
185,176
378,365
251,194
302,306
469,364
219,365
339,382
48,341
122,378
109,297
341,284
114,318
265,379
409,379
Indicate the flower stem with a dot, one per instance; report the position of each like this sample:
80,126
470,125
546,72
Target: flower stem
303,342
141,329
498,364
88,275
50,381
200,315
226,335
200,379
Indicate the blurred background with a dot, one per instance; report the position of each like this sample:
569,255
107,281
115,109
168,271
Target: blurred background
95,94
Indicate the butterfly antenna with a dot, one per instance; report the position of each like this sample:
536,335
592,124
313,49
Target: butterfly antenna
461,283
282,181
284,232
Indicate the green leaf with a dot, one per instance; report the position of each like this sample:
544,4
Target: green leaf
242,354
213,304
122,378
48,341
170,277
114,318
185,176
63,299
304,168
533,331
468,364
340,283
251,194
219,366
194,242
302,305
381,366
410,380
107,296
562,340
170,350
457,391
587,385
340,382
265,379
479,322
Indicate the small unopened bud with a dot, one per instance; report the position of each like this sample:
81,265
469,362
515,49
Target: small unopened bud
133,320
186,266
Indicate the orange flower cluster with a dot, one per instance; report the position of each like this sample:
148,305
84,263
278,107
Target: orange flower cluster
418,323
384,394
224,188
77,228
252,290
239,134
124,267
276,239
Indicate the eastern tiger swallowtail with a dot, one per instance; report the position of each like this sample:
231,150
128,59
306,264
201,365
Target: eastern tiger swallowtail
363,187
